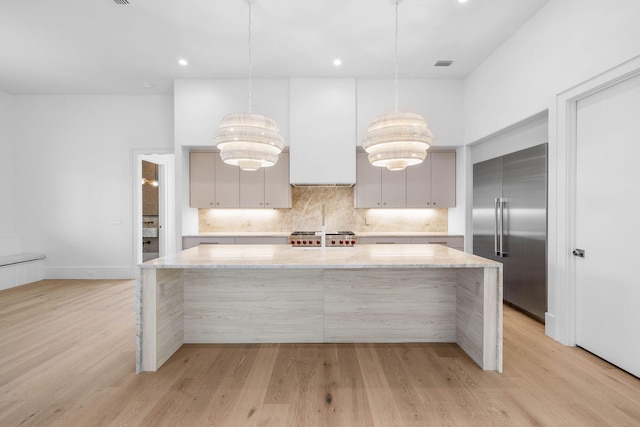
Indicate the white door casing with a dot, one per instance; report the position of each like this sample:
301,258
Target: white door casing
560,320
166,198
607,226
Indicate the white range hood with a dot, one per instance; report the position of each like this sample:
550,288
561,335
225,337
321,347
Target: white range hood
322,144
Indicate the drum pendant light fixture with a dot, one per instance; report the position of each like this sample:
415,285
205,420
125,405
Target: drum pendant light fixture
397,140
249,140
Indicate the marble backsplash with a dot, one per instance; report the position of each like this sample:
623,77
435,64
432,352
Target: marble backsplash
305,215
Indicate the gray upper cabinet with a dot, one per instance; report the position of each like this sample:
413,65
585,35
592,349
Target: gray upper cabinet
378,187
277,190
368,183
431,184
419,184
252,188
267,187
443,179
201,177
393,188
214,184
227,183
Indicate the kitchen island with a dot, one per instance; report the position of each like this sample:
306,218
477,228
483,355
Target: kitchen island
279,294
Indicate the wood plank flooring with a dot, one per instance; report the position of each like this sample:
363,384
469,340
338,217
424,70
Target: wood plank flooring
67,359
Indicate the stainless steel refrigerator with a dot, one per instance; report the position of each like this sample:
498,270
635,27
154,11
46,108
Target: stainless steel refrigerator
510,224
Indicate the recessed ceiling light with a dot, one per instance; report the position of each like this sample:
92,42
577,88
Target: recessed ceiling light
183,62
462,1
337,62
147,85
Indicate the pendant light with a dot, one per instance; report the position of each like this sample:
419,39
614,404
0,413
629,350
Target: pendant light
397,140
249,140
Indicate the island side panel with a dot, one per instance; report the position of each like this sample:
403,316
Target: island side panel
493,319
161,329
170,313
479,315
253,305
390,305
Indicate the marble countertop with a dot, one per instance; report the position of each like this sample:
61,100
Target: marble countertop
358,233
285,256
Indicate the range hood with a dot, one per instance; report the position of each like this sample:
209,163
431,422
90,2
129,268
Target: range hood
322,138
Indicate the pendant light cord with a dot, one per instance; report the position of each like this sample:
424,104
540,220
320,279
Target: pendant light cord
250,62
396,52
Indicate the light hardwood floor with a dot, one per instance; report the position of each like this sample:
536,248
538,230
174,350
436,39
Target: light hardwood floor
67,358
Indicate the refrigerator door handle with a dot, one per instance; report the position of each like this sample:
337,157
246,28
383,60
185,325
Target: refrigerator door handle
497,227
502,202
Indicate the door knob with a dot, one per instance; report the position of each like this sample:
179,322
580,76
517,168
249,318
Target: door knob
578,253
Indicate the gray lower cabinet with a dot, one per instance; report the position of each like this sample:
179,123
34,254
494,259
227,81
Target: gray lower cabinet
455,242
261,240
383,240
193,241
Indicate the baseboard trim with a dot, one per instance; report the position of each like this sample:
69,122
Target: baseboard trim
88,272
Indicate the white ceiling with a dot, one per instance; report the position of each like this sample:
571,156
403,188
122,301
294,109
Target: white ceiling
100,47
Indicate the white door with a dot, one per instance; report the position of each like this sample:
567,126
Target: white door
608,224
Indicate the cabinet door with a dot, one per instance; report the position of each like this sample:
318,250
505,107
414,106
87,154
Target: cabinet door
277,190
383,240
227,184
393,192
443,179
252,188
261,240
455,242
193,241
202,180
368,183
419,184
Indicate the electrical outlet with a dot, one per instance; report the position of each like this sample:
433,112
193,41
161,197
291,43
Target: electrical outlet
89,273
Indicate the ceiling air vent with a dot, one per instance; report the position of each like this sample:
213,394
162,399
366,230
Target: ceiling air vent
442,63
121,1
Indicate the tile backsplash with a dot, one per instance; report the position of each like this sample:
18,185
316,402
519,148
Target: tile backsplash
305,215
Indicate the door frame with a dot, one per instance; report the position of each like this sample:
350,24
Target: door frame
165,159
561,313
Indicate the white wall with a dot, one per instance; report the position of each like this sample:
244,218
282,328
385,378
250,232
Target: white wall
74,183
567,43
8,238
564,44
201,104
526,134
439,101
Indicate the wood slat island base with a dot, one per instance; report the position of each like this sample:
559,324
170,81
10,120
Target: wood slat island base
280,294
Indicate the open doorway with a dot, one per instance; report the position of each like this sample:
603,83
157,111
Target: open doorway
154,207
150,213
